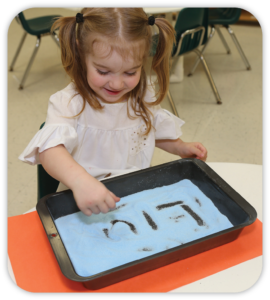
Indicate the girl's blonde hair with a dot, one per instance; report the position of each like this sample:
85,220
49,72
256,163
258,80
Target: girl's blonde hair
122,29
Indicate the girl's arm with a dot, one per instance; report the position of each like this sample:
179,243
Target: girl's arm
183,149
90,194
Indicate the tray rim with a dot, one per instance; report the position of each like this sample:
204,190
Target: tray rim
64,261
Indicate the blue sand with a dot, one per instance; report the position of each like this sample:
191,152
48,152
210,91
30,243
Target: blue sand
144,223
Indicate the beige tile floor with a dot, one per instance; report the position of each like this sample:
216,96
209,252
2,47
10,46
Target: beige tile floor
232,132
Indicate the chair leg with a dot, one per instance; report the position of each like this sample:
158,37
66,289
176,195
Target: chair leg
18,51
209,76
223,40
30,63
172,103
55,38
205,45
241,52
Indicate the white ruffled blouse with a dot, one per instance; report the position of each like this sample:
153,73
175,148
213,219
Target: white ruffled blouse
103,142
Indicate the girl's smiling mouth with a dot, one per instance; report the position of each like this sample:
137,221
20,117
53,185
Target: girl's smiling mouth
112,92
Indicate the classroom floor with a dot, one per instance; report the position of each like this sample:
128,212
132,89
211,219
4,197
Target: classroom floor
232,132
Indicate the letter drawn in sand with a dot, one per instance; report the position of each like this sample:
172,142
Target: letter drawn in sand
199,221
197,218
131,226
162,206
105,230
150,221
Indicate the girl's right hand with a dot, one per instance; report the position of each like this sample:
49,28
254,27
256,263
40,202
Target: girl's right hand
91,196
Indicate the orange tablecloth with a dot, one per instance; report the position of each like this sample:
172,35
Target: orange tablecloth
36,269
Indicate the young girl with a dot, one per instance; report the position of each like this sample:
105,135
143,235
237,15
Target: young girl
108,120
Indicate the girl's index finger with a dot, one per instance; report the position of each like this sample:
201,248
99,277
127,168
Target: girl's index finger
110,201
202,148
203,152
115,198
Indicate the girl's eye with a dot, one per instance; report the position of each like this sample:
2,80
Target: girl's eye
131,74
102,73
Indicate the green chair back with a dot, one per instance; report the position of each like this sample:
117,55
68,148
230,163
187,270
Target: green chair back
24,23
46,184
224,16
190,18
39,25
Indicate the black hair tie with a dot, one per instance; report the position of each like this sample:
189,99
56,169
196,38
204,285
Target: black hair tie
79,18
151,20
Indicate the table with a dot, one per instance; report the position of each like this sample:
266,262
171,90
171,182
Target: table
246,179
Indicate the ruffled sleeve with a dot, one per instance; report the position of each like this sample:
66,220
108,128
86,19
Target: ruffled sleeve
166,124
60,127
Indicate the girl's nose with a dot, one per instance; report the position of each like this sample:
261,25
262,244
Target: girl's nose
116,83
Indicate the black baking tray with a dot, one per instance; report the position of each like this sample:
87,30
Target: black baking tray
239,212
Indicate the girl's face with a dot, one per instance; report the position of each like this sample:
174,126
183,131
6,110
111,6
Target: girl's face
111,76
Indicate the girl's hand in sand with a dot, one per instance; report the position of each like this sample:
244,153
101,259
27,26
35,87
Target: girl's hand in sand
91,196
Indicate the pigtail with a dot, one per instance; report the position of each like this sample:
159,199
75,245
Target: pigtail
139,106
72,57
67,37
160,64
161,59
